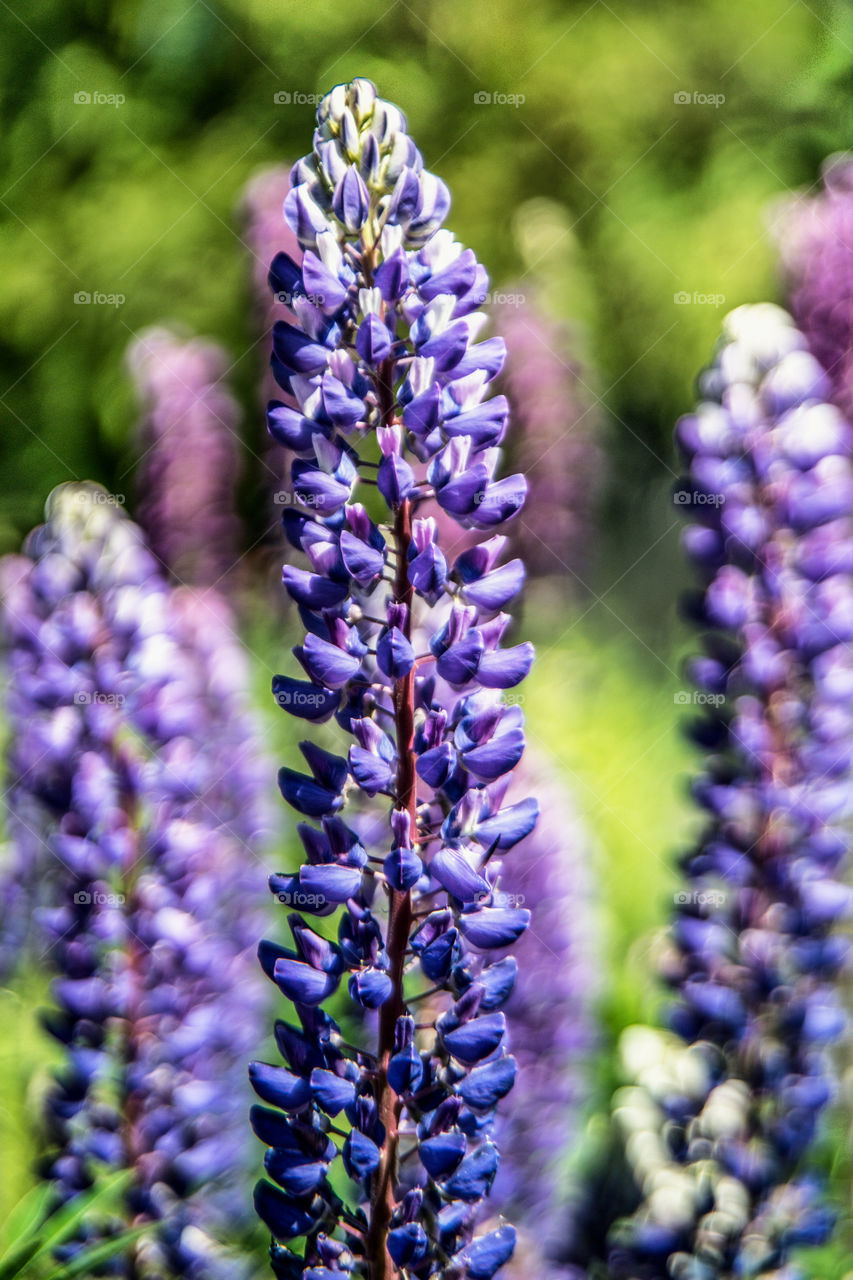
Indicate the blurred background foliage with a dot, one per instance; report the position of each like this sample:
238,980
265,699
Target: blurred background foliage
601,186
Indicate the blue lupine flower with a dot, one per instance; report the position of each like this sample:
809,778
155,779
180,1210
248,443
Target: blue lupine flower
138,812
404,649
753,955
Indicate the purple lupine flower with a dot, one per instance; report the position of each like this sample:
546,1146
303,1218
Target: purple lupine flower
137,818
549,1016
190,456
266,234
816,245
556,446
754,955
389,380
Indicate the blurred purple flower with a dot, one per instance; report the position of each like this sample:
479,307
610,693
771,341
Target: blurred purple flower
815,240
550,1018
754,953
556,440
137,814
190,456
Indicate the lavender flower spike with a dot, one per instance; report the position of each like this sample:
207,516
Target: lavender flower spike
557,445
190,456
754,955
137,820
390,385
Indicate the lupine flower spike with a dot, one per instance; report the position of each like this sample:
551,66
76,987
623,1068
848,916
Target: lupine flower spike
137,818
556,445
390,384
754,956
190,456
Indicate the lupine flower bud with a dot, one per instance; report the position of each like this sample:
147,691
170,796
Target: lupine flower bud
189,461
137,817
556,447
753,956
390,385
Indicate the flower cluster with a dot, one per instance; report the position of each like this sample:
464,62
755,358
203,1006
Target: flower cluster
549,1019
190,455
137,817
753,953
390,385
556,446
816,245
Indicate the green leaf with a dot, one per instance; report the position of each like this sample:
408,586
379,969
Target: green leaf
28,1214
98,1253
61,1225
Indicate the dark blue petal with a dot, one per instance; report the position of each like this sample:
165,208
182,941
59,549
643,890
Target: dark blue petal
442,1154
508,825
303,984
279,1087
482,1258
484,1087
455,874
296,350
395,479
361,1155
494,927
312,590
403,868
306,795
477,1039
505,668
304,700
282,1217
331,1092
331,882
475,1175
373,340
394,654
370,988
